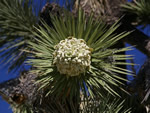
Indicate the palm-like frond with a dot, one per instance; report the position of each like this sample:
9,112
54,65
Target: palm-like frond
140,8
16,22
103,73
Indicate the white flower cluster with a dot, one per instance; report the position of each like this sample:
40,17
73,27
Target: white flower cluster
72,56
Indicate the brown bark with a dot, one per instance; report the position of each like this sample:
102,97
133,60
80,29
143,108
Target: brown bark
107,10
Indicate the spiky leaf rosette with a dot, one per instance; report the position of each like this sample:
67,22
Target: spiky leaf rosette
83,62
104,105
16,23
141,10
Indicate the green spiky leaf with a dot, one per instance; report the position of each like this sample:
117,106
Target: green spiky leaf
103,74
141,10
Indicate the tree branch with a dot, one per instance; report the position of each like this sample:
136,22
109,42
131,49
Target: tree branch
137,38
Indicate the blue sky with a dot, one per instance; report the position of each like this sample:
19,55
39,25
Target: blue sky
4,107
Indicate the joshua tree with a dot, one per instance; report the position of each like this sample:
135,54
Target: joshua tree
76,53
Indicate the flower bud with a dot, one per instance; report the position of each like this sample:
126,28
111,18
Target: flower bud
72,56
